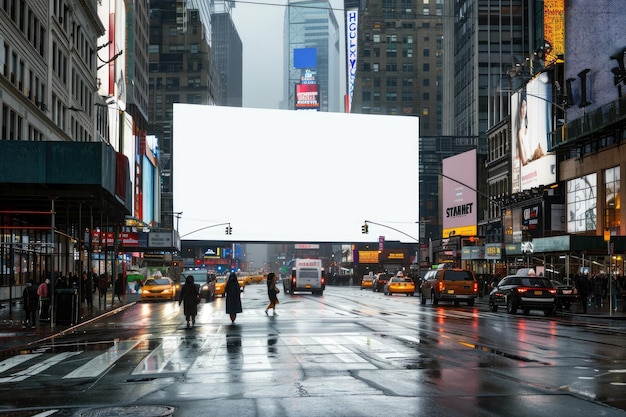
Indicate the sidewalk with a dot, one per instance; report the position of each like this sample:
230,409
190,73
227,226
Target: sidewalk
14,336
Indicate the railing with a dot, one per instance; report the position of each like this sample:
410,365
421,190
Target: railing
594,121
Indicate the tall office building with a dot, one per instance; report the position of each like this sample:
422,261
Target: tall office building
489,39
312,24
400,60
181,71
227,57
137,27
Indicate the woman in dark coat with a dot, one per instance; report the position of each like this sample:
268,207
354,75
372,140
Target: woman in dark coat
191,296
272,291
233,297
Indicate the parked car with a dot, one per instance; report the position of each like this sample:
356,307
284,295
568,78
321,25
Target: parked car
367,281
220,286
400,285
566,295
380,280
449,284
526,292
158,289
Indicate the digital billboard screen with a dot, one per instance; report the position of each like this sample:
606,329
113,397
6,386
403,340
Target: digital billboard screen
307,96
459,194
531,123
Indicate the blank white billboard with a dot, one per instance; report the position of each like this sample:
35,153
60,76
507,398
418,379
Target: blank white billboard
294,176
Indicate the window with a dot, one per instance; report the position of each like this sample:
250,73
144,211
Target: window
581,204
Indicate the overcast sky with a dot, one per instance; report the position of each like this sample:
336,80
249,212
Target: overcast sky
260,26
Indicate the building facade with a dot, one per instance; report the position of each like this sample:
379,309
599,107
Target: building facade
181,71
227,53
312,24
400,61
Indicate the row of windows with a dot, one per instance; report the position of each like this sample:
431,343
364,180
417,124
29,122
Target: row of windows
11,127
27,22
14,69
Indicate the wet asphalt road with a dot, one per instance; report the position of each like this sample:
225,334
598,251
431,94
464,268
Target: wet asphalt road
347,353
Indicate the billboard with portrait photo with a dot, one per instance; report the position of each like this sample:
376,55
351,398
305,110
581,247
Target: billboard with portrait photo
531,123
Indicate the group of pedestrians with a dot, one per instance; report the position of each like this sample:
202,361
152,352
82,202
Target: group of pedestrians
35,298
190,296
597,289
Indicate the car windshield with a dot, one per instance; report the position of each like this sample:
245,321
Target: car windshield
220,279
158,281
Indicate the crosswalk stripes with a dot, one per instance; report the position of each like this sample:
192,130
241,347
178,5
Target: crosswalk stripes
38,368
102,362
212,354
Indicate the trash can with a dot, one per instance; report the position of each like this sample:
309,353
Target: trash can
66,306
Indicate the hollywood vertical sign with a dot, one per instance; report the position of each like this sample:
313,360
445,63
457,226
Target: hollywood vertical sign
352,18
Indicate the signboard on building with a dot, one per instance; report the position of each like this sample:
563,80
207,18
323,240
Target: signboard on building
160,239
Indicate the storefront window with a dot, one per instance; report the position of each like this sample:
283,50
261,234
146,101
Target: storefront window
612,198
582,204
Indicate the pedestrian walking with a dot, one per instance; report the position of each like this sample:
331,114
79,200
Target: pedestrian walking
103,285
615,289
190,295
87,289
120,288
598,289
272,292
583,285
30,300
43,291
233,297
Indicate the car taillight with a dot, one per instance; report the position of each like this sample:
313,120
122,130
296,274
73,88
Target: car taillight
441,286
475,286
552,290
323,280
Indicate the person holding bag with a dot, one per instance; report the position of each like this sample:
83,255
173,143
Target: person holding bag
272,292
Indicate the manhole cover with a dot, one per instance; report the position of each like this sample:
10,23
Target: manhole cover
134,411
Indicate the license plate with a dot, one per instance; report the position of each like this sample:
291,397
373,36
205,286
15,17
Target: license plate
450,291
538,292
308,286
567,292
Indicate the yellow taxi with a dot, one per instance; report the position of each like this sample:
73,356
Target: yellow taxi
242,280
257,278
220,286
400,285
158,288
367,281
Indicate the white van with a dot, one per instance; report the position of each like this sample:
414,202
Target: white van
306,275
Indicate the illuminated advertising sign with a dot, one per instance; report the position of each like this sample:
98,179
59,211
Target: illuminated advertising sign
459,193
307,96
553,29
352,20
531,123
531,220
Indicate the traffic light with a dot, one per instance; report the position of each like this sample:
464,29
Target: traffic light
364,229
229,230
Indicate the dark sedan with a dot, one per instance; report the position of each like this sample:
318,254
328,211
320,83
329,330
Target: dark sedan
524,292
380,281
566,295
